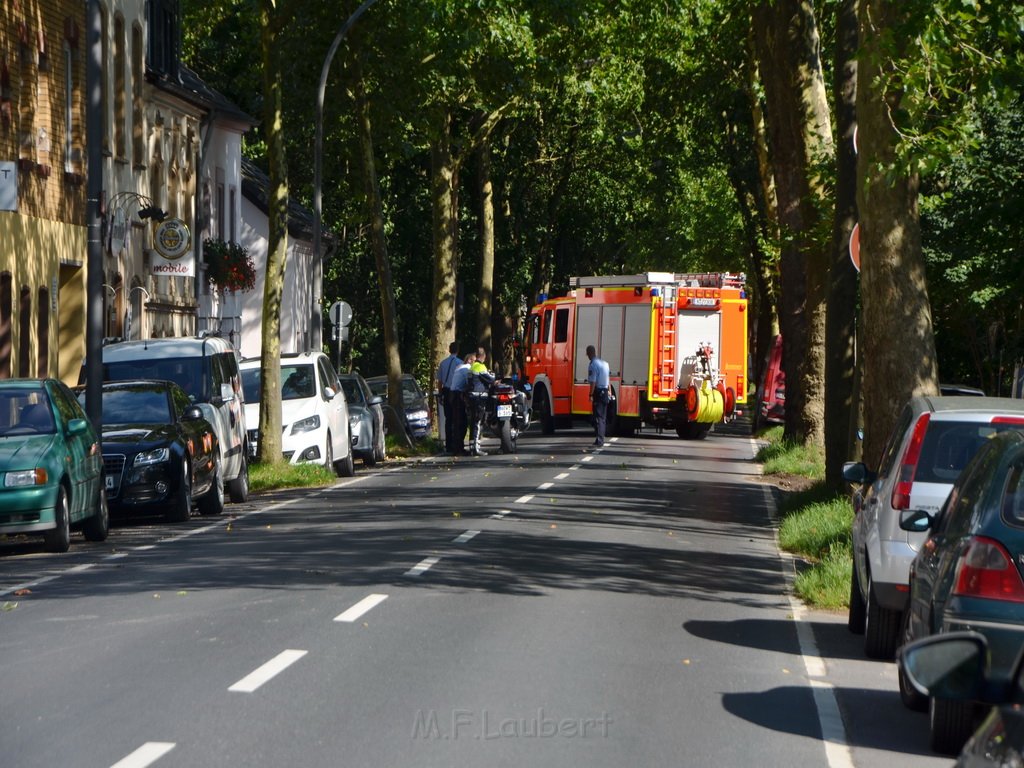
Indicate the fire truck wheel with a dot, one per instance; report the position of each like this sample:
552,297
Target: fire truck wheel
691,430
547,418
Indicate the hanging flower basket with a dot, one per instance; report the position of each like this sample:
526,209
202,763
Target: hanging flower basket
228,266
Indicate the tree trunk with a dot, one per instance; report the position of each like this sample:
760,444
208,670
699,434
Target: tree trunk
800,138
898,343
269,449
444,174
379,244
485,310
840,324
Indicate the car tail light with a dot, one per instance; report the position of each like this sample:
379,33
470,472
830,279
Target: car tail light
1008,420
908,466
986,570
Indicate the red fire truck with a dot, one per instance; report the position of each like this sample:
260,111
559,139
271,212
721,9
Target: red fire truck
676,345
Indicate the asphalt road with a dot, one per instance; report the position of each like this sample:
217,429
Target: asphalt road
555,608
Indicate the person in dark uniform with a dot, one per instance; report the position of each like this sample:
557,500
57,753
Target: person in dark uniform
445,374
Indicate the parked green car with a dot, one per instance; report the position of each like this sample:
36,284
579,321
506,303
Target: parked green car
51,468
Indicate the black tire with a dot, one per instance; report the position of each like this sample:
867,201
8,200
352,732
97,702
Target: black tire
856,620
380,451
59,539
693,430
881,628
507,444
238,489
547,417
181,510
912,698
212,502
951,723
97,527
345,467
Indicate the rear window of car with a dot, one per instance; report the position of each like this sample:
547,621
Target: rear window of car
949,445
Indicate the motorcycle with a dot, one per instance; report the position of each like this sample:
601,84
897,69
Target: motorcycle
507,413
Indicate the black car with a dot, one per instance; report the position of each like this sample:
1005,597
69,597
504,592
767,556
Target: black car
954,667
414,403
967,575
159,453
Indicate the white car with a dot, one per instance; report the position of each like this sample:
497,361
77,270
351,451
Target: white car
932,441
314,413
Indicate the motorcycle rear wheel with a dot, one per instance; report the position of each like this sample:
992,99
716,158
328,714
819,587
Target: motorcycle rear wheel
508,443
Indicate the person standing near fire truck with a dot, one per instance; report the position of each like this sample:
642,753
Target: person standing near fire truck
600,396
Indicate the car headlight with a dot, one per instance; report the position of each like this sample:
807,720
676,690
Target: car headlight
416,415
25,477
153,457
353,419
306,425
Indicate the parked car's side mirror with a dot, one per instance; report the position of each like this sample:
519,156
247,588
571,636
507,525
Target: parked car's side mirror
329,394
192,413
78,427
916,520
857,472
948,666
375,400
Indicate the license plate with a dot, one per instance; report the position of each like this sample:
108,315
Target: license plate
504,411
109,481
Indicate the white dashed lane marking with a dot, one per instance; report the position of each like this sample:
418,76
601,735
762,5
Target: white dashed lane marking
562,476
465,537
525,499
364,606
145,755
275,666
500,514
545,486
423,566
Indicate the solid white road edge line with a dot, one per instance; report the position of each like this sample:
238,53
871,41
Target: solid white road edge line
465,537
275,666
363,606
145,755
833,731
423,566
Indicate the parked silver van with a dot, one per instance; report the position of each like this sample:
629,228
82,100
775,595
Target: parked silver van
207,369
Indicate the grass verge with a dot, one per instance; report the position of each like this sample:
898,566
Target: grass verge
815,523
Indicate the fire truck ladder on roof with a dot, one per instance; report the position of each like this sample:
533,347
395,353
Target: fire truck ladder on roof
667,317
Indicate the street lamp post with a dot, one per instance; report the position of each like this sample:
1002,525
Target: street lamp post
316,314
94,190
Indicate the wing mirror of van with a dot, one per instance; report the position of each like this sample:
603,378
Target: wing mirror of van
192,413
329,394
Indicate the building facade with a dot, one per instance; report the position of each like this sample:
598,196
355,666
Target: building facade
171,150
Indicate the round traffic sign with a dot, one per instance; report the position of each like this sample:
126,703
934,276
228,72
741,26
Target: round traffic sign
341,313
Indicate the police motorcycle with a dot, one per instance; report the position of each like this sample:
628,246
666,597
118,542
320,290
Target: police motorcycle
508,411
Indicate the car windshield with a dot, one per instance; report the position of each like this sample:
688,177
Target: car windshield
26,412
186,372
135,406
410,392
378,386
353,394
297,382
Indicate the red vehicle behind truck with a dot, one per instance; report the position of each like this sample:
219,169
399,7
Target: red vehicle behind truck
676,345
